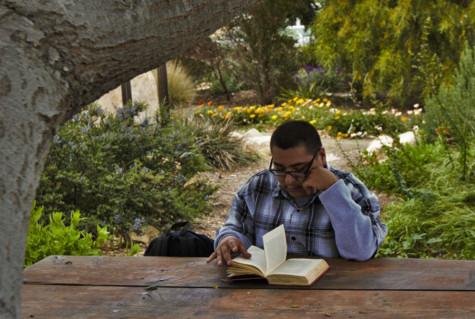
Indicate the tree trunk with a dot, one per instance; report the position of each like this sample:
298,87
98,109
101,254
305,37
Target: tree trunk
59,55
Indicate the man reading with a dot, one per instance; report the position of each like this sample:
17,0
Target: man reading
326,212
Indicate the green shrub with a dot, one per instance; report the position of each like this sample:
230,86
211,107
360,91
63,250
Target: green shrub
395,50
314,82
123,174
56,238
405,166
450,113
433,215
432,225
228,83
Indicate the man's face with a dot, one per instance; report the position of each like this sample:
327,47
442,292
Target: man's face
293,160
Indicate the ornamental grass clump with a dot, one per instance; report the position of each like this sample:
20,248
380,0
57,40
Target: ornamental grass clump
181,88
215,142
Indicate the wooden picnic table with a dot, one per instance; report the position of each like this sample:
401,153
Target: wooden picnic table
183,287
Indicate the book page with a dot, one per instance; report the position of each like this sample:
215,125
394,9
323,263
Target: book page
258,259
275,248
298,267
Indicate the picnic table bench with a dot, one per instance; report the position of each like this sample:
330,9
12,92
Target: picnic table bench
184,287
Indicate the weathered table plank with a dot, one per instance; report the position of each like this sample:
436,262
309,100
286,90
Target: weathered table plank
55,301
376,274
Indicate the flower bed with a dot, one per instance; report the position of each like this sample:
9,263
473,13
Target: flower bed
337,122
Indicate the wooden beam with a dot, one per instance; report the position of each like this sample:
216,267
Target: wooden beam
163,96
126,92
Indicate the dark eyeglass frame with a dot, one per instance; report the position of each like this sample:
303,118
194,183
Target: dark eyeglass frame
298,175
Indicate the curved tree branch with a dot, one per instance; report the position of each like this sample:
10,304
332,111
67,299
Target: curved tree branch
55,57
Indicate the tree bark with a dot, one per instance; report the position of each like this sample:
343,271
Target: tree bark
59,55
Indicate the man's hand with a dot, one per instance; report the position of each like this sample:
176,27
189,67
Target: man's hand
227,247
319,179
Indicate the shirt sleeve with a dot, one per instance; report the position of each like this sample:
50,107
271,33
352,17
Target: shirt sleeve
239,223
354,212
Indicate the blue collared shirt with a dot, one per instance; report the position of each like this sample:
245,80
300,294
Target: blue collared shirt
342,221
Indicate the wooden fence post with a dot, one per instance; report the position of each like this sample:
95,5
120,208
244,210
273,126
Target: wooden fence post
126,92
163,97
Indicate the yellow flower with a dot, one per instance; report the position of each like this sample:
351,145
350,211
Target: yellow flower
260,110
404,118
252,116
328,128
220,107
313,122
274,117
341,135
210,112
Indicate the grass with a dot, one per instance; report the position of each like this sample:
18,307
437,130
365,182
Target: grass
434,213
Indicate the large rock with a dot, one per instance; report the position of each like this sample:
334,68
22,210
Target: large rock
385,140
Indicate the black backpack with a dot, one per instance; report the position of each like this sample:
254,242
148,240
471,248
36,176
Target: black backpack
180,241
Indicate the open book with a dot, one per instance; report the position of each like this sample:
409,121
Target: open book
271,263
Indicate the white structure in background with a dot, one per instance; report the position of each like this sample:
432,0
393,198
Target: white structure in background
299,33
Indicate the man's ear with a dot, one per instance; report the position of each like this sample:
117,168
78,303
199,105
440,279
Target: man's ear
323,156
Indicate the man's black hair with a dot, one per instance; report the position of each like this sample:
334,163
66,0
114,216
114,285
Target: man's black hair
295,133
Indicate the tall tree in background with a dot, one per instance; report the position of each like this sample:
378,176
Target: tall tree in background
396,50
261,52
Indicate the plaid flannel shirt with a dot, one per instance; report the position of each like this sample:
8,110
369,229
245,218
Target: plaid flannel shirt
342,221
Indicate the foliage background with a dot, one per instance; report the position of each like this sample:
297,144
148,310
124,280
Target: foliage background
119,173
399,51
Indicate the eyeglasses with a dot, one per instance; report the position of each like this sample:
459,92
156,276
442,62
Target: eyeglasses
300,174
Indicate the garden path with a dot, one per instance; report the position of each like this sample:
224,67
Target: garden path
339,155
